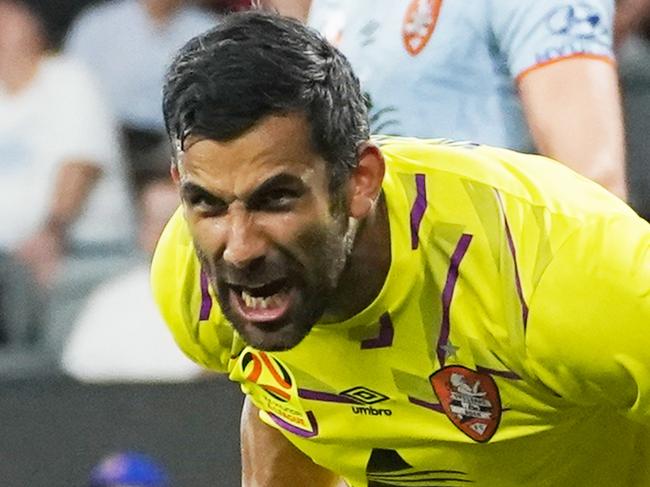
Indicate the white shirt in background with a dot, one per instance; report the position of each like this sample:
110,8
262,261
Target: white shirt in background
120,337
60,117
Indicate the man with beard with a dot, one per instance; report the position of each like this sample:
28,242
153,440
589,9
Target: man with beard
397,311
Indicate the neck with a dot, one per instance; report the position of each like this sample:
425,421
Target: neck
16,73
367,268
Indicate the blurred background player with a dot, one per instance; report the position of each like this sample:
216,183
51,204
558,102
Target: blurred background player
129,469
298,9
632,19
489,74
633,40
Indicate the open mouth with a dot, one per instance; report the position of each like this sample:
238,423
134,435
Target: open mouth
265,303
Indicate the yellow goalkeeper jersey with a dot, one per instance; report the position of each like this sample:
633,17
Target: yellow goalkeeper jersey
508,347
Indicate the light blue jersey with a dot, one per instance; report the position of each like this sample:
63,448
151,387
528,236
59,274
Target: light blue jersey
449,68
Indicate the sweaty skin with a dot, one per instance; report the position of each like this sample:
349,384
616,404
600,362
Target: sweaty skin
273,239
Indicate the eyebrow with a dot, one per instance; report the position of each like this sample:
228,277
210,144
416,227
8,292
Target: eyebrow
191,190
282,179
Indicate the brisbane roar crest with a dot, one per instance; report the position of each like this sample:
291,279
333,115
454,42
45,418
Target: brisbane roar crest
419,23
470,400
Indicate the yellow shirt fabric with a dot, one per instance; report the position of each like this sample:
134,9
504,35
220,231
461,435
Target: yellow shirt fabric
509,345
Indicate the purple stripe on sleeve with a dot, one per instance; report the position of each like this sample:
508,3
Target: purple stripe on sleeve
294,429
429,405
448,294
513,251
206,299
385,337
418,209
324,396
506,374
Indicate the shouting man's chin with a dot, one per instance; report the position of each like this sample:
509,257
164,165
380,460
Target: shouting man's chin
272,336
275,321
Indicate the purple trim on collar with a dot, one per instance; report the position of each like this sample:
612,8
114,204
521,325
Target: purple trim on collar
385,337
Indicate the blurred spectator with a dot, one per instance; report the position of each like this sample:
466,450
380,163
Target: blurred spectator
298,9
129,469
633,28
632,18
119,335
127,44
62,188
490,74
226,6
20,312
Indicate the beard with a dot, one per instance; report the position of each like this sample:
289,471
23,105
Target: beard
307,280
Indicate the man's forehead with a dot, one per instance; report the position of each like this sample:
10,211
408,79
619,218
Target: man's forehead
276,145
285,131
216,160
243,181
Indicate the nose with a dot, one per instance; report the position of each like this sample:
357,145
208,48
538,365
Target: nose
245,243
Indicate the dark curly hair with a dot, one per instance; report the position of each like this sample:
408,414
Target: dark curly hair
254,64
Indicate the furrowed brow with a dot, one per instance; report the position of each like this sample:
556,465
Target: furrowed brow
279,180
190,191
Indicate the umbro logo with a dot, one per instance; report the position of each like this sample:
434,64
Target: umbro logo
363,395
366,397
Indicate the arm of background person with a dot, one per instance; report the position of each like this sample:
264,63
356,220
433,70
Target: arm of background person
42,251
560,55
573,110
74,182
270,460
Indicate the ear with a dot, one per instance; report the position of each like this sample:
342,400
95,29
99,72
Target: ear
365,180
176,175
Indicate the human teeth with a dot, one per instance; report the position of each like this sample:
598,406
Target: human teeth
261,302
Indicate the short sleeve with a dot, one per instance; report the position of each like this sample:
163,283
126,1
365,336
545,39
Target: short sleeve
588,335
529,33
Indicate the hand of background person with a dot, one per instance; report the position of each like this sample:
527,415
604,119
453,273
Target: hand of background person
42,253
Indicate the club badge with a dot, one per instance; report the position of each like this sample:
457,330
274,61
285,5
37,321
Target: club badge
419,23
470,400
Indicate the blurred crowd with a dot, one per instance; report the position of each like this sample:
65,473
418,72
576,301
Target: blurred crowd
85,190
84,162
